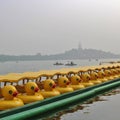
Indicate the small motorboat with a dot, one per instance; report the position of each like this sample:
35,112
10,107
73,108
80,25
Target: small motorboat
70,64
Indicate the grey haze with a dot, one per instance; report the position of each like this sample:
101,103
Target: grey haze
54,26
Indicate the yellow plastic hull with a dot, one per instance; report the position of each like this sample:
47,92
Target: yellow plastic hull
8,104
30,98
77,87
87,84
110,78
103,79
95,81
47,94
64,90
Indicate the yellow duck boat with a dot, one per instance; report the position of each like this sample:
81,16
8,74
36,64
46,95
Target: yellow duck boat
86,80
31,94
76,82
49,89
118,72
94,78
63,85
108,74
114,73
101,76
9,99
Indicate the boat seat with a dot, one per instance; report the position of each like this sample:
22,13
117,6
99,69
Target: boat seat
20,88
40,85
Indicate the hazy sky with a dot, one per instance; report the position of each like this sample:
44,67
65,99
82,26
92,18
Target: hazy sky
54,26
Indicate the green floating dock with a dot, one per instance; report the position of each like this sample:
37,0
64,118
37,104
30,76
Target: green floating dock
50,105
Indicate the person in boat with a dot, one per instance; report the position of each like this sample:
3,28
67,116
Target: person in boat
71,63
57,63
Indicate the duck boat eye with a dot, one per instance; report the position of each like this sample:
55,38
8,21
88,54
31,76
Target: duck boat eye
32,88
50,84
10,91
64,81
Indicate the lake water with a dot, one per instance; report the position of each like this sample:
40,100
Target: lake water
103,107
23,66
106,108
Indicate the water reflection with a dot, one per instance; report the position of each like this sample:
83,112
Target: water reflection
84,108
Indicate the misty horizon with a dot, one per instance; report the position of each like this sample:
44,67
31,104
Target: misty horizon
72,49
40,53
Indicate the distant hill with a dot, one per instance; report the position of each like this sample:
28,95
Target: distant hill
84,54
71,54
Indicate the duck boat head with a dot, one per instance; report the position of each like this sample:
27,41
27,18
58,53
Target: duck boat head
49,85
31,88
9,92
94,78
49,89
63,85
108,74
101,76
76,82
63,82
86,80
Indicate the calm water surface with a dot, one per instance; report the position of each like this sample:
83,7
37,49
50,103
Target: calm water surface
106,109
103,107
23,66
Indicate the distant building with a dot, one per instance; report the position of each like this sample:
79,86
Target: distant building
38,54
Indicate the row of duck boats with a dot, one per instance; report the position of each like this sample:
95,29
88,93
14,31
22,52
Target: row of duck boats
18,89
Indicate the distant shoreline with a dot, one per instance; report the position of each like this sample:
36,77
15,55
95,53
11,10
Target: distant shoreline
68,55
